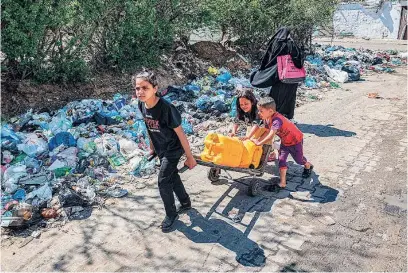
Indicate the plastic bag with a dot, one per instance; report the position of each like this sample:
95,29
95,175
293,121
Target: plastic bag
187,126
7,157
203,103
64,138
142,134
66,158
116,160
128,148
224,77
336,75
41,120
33,164
69,155
213,71
142,166
33,145
11,177
352,71
86,144
68,198
403,55
59,124
220,106
106,145
7,131
233,112
43,193
310,82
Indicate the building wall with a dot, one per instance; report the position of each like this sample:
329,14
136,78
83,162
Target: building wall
365,21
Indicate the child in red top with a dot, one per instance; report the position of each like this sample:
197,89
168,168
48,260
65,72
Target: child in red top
291,138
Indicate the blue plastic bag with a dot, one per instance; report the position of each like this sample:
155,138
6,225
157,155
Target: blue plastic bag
203,103
224,77
310,82
233,112
62,138
187,126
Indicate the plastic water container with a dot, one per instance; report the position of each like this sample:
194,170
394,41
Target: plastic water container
222,150
251,155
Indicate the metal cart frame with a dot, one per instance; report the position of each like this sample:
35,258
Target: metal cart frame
254,188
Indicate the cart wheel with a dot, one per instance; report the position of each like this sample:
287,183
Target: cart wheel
214,174
254,188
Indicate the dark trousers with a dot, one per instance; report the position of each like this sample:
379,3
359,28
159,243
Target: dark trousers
284,95
169,182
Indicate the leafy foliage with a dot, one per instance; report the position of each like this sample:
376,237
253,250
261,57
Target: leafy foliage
65,40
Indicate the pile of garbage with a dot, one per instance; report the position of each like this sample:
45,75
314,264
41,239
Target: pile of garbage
331,65
58,165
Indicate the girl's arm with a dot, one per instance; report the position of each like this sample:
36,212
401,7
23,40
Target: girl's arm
190,162
234,129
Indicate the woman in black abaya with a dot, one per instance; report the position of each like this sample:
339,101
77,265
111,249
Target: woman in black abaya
284,94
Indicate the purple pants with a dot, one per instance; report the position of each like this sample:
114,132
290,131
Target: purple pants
296,151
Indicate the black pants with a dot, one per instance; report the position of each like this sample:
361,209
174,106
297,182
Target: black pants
285,98
169,182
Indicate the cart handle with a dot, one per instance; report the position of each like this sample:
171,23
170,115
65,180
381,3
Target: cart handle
181,170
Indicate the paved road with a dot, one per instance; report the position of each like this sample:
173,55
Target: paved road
349,216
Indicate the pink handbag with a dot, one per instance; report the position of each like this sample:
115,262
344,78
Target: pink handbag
288,72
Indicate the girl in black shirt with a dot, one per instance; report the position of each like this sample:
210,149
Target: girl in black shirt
167,140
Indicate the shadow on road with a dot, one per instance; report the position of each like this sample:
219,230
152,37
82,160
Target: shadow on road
324,130
204,230
221,223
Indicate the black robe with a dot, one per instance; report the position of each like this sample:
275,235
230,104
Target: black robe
267,74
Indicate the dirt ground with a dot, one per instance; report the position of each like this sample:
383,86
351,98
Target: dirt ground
349,216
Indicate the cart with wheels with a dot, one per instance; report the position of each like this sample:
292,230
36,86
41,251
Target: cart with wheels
254,188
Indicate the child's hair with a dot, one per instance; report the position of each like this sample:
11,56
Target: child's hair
249,95
267,102
145,75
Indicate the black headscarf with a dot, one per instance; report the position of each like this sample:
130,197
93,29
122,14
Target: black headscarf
280,44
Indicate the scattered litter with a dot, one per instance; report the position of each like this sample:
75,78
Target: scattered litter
374,96
58,164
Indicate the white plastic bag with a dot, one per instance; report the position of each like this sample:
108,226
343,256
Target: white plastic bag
129,148
106,145
336,75
33,145
11,177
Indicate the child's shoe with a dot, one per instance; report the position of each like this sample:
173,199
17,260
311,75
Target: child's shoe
307,172
168,223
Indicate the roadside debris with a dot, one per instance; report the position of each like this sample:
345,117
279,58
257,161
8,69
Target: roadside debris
57,164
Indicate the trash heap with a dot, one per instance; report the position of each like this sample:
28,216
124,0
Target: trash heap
54,165
331,65
57,166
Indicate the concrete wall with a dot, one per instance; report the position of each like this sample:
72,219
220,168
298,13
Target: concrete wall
366,21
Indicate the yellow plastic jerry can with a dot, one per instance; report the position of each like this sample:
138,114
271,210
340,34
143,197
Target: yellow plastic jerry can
251,155
222,150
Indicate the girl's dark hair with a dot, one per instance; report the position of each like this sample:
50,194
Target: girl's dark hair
249,95
148,76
